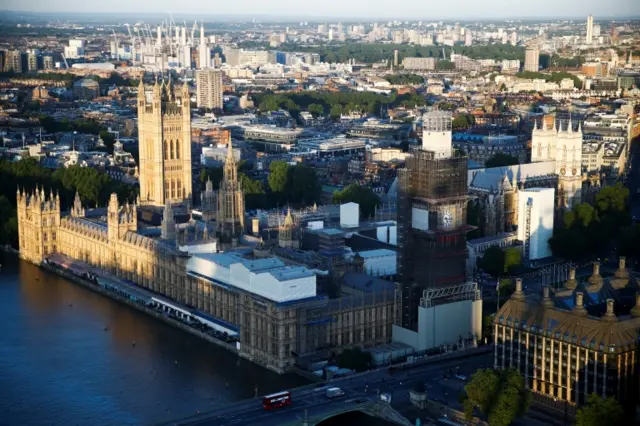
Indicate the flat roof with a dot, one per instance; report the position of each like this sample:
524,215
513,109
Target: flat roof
366,254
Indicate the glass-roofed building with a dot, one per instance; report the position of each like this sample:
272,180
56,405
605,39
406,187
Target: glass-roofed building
582,339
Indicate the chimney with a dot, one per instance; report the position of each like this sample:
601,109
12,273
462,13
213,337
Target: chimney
518,294
622,262
571,283
610,315
596,268
546,297
579,309
635,311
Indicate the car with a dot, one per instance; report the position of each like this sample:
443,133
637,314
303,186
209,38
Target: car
334,393
461,377
385,397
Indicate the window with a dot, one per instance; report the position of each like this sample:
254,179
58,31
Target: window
166,150
177,149
172,150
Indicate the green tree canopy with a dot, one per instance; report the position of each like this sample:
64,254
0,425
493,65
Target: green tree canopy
493,261
316,110
599,411
499,395
214,173
365,197
462,121
404,79
278,177
355,359
501,160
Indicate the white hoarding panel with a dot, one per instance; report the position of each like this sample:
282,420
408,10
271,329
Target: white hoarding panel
420,219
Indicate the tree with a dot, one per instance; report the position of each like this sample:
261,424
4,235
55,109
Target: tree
501,160
443,65
599,411
461,121
303,185
365,197
493,261
355,359
499,395
214,173
277,179
316,110
254,195
336,112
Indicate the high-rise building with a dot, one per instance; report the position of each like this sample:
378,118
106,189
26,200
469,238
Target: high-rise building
230,214
396,59
13,61
47,62
209,88
164,134
29,61
589,29
432,218
532,59
203,51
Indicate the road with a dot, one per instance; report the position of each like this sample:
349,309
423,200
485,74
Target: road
360,390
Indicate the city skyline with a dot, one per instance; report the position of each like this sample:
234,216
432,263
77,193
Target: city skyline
381,11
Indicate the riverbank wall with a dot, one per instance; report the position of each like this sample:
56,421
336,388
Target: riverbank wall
155,314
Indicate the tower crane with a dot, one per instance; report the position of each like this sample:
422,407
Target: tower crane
115,38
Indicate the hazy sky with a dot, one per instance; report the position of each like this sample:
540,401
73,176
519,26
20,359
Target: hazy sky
376,9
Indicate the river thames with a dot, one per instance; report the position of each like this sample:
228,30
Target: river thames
67,358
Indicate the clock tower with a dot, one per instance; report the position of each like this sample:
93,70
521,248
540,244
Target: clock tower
432,217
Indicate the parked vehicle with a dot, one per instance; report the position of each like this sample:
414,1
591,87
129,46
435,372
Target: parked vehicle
461,377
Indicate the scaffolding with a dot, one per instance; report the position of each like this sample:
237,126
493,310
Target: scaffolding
432,253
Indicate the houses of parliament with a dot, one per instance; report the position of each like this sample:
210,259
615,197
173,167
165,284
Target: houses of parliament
113,242
164,258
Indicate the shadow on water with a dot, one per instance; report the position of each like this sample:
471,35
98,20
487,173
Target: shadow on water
68,355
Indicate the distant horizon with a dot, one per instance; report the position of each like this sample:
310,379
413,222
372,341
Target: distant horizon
338,10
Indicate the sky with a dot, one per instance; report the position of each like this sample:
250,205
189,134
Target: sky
370,9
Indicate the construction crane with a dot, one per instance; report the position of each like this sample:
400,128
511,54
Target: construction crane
65,61
193,32
115,38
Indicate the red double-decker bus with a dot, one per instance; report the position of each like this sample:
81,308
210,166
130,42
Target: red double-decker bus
276,400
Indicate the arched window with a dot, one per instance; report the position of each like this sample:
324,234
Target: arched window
177,149
179,188
166,150
173,188
172,151
167,190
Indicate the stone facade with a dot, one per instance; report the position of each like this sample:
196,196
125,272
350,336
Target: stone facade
114,246
565,148
164,134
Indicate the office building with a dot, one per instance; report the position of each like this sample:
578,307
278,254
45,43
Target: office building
204,53
589,29
535,221
47,62
419,64
209,89
581,340
29,61
164,134
13,61
432,216
532,59
74,50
